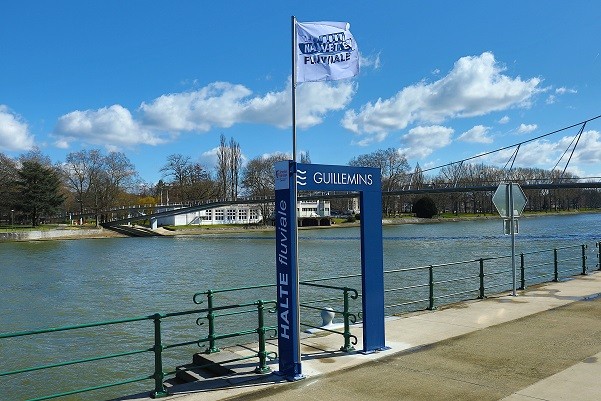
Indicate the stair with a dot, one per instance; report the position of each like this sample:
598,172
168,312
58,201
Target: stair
219,364
132,231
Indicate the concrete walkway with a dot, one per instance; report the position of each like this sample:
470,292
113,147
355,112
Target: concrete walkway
544,344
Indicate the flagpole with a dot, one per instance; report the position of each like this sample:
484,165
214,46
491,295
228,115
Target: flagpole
295,196
294,44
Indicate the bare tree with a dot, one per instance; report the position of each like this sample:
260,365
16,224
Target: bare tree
234,166
305,158
393,167
222,166
258,178
177,168
81,170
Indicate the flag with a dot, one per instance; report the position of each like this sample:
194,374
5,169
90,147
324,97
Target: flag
325,51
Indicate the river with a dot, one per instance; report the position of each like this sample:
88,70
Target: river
65,282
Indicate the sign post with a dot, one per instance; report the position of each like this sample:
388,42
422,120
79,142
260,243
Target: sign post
289,176
509,199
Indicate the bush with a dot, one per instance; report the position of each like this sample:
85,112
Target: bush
425,208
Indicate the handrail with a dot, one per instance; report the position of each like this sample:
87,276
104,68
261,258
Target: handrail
158,347
348,318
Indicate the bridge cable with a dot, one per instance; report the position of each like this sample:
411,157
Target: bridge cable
512,160
511,146
577,139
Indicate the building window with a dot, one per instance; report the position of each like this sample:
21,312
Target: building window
253,214
242,214
219,214
231,214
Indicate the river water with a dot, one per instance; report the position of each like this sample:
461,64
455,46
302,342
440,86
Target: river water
65,282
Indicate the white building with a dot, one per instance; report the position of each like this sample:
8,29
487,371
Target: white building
236,214
233,214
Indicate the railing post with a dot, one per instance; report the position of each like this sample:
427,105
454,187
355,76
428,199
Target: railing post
431,286
555,267
522,272
159,388
262,368
481,295
211,318
347,325
584,259
598,244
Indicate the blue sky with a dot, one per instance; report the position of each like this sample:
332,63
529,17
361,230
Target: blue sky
439,80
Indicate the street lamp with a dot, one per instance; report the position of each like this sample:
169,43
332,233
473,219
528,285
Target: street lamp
12,218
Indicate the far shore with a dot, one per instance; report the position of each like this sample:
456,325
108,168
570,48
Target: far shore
75,232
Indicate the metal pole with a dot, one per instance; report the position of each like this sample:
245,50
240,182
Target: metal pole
295,196
262,368
512,225
211,318
347,327
481,293
431,286
159,388
583,259
294,45
522,272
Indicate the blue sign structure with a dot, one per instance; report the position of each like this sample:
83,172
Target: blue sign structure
315,177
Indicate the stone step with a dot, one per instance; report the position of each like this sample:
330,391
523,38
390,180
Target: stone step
215,361
191,372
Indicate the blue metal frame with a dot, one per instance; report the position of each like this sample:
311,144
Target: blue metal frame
366,181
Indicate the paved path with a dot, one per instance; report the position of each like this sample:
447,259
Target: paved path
544,344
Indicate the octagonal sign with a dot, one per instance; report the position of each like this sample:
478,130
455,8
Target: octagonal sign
503,196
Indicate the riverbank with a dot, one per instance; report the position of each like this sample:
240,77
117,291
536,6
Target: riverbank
60,233
73,232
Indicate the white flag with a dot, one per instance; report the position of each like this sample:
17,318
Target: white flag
326,51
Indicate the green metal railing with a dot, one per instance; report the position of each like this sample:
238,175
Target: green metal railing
157,348
481,276
429,286
349,318
455,281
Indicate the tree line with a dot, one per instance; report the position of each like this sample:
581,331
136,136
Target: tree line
33,189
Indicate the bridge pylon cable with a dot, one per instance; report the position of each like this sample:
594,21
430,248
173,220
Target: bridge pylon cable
511,146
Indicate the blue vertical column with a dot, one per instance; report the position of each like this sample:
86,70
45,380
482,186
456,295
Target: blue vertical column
372,273
287,271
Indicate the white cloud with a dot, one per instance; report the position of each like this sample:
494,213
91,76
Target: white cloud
539,153
422,141
14,132
111,126
475,86
588,150
564,90
504,120
527,128
209,158
222,104
372,61
477,134
217,105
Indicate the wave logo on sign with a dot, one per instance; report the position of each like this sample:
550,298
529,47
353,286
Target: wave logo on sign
301,177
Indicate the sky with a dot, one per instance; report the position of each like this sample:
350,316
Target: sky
440,80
